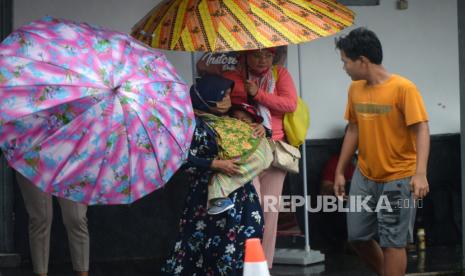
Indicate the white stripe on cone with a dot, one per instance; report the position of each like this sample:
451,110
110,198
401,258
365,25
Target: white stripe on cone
256,269
254,259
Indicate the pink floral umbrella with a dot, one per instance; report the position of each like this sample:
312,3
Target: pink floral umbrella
89,114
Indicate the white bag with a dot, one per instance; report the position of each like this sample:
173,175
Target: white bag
286,157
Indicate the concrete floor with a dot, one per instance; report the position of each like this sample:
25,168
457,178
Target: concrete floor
434,261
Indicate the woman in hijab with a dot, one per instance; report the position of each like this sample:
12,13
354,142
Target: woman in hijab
206,244
271,89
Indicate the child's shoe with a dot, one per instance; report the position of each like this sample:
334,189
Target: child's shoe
219,205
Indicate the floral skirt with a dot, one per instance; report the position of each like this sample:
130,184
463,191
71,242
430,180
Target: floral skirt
214,244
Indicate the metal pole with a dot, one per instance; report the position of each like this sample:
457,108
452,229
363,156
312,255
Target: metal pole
6,18
7,244
299,256
304,163
6,179
461,34
194,68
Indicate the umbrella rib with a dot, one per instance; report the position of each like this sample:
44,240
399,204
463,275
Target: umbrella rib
71,154
177,29
206,23
52,65
244,27
143,107
129,151
307,6
326,13
222,39
150,81
294,18
262,17
100,171
61,103
153,147
130,178
57,84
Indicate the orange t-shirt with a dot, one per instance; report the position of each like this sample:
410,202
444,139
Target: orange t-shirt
383,113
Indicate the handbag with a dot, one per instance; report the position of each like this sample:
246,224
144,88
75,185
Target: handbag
286,157
296,124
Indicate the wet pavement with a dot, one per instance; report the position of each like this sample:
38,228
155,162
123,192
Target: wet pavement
433,261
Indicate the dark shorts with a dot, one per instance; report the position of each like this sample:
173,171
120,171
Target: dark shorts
390,215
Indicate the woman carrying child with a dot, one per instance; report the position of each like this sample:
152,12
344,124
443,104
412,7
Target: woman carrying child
213,244
237,141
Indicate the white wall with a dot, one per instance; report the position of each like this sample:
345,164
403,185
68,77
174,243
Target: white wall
420,43
119,15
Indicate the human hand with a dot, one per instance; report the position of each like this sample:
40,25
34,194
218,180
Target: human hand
251,88
339,185
419,185
228,167
258,130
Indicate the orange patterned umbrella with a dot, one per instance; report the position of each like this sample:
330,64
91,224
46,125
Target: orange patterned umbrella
235,25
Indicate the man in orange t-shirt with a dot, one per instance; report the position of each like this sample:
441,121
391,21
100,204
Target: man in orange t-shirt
388,125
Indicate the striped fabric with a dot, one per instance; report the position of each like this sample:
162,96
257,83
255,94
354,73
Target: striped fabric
235,25
222,185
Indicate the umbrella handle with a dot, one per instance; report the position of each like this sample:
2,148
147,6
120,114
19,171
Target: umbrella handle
250,100
246,69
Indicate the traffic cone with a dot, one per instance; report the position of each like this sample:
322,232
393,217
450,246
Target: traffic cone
254,261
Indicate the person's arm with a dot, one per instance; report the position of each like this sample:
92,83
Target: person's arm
260,130
195,161
286,98
349,146
416,119
419,182
229,167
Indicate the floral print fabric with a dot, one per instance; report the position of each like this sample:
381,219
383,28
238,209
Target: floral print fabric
235,138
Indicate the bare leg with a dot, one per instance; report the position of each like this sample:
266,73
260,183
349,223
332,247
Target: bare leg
371,254
82,273
395,261
270,185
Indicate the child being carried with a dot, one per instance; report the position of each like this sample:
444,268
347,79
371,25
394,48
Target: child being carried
236,140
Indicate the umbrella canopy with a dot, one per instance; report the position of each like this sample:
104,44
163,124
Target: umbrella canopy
89,114
235,25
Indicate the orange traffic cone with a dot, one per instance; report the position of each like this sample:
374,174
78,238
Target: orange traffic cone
254,261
